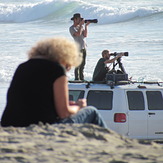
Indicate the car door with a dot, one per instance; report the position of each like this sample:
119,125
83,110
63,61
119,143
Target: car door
155,114
137,114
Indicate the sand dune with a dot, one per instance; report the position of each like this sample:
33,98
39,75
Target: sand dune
73,144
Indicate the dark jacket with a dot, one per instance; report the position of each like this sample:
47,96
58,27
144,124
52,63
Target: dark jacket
100,70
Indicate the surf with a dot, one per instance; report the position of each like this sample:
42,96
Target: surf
62,10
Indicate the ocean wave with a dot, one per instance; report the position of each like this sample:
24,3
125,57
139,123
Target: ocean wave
52,10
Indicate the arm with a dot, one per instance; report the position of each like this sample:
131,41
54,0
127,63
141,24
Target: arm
86,29
61,98
112,60
80,30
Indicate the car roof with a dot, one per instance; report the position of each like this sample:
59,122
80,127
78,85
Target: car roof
129,85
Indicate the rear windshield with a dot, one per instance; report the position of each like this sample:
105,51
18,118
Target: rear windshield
135,100
74,95
155,100
102,100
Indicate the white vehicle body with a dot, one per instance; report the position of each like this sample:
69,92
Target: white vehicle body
133,110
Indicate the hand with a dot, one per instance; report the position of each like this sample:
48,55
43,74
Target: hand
82,103
72,103
81,22
87,23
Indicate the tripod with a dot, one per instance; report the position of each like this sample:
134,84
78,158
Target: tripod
120,66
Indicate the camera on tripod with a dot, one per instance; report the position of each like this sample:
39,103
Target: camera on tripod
114,76
115,53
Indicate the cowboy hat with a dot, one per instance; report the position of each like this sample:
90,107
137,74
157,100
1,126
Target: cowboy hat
77,15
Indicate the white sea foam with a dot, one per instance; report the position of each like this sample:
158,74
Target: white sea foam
25,12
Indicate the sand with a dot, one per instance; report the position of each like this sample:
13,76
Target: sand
74,143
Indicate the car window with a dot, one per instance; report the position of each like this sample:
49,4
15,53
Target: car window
74,95
135,100
155,100
102,100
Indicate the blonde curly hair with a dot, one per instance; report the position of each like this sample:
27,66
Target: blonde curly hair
58,49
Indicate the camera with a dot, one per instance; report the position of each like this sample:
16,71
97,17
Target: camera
91,20
115,53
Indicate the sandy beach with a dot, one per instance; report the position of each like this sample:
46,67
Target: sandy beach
73,144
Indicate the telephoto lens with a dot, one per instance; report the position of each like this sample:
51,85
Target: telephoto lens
125,53
91,20
115,53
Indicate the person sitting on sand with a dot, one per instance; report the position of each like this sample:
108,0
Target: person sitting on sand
39,88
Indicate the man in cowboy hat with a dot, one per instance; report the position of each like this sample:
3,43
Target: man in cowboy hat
78,32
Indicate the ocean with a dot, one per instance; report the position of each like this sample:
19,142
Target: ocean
123,26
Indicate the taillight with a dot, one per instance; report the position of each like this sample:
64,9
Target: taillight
120,117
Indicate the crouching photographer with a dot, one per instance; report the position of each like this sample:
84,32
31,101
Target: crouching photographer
102,65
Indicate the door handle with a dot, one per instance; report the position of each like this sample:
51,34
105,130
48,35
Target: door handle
151,113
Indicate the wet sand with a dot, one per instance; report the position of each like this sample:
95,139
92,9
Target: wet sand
74,144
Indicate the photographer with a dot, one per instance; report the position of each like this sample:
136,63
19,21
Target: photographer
79,32
101,68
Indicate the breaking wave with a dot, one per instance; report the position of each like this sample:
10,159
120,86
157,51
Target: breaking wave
54,10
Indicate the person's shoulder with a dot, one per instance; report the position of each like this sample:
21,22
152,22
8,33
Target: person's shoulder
71,27
23,64
52,63
102,60
57,65
40,62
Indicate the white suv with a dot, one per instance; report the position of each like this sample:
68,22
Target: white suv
133,110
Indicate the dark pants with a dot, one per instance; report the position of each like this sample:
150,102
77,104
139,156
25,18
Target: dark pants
79,74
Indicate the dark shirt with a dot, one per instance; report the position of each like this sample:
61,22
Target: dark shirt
30,97
100,70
